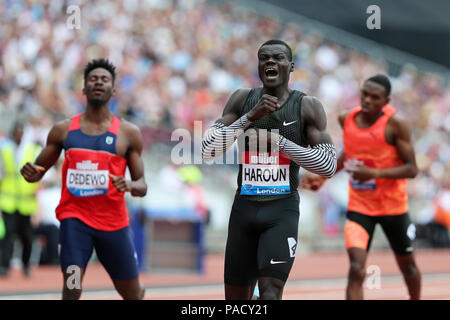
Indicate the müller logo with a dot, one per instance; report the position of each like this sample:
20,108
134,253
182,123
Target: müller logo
264,158
87,165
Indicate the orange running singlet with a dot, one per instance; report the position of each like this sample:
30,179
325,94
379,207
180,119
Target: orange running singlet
368,146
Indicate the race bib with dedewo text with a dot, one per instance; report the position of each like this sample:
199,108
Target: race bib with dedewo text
86,180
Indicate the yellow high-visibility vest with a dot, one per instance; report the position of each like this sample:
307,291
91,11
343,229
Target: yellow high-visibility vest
17,194
2,228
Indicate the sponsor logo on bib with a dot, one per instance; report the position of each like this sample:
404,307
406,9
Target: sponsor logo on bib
351,164
86,180
265,173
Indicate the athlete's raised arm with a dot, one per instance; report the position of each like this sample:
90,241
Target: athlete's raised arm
33,172
137,186
225,130
321,157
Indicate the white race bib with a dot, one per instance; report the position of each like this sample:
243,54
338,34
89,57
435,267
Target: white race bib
351,164
265,173
87,183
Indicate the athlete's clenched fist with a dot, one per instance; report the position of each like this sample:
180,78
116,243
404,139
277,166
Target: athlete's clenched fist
120,183
312,182
32,172
266,105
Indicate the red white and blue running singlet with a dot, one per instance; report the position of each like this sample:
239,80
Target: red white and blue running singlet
87,191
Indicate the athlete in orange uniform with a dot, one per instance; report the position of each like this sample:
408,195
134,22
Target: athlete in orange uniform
379,156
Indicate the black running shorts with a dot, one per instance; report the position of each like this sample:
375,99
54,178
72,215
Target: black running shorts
262,239
399,230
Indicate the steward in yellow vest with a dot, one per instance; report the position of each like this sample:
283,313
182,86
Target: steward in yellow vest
17,198
17,194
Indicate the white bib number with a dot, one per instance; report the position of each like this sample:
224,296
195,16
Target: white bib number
351,164
87,183
265,173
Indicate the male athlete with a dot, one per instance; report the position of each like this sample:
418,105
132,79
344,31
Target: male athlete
263,226
98,148
379,156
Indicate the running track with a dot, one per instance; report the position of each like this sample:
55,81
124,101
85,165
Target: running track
318,276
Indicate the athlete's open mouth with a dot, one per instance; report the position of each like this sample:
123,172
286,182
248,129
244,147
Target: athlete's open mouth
98,90
271,73
365,108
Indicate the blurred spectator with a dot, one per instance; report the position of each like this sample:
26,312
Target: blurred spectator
192,176
442,209
45,222
439,228
333,200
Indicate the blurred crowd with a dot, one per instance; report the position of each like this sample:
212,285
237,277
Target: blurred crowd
178,61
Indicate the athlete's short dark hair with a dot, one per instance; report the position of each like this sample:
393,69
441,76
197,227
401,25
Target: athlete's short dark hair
100,63
277,41
382,80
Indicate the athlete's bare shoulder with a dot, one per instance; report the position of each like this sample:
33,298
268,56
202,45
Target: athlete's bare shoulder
129,129
312,111
397,127
314,121
342,116
233,108
236,101
131,133
58,132
397,121
63,124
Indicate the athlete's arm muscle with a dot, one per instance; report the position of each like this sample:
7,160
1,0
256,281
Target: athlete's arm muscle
137,186
405,150
49,155
341,157
233,107
315,122
321,157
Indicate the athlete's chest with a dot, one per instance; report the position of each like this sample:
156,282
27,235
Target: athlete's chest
97,139
368,134
286,121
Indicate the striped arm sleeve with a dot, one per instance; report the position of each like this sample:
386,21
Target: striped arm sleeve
320,159
220,138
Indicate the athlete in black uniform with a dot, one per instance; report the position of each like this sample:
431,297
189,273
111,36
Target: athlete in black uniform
263,226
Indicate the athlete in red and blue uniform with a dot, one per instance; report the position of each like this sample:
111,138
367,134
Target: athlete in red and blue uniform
98,148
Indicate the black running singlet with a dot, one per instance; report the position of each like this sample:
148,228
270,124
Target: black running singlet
258,178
